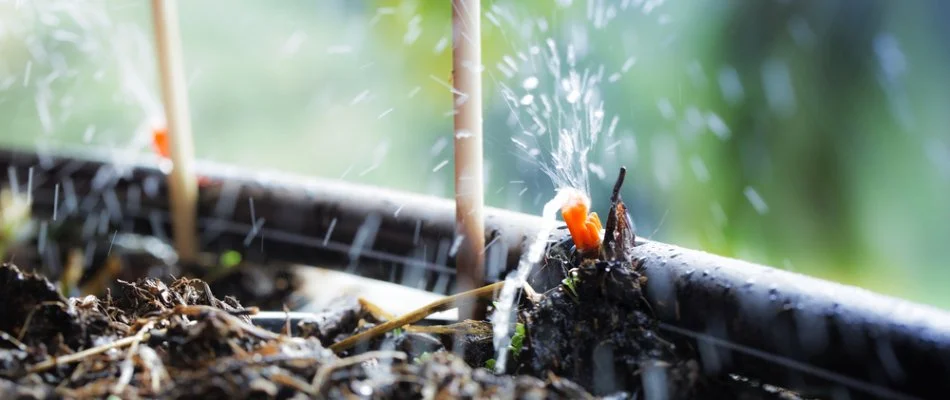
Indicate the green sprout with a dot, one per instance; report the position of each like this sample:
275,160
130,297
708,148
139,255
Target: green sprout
226,263
425,356
517,344
517,340
397,332
230,259
571,283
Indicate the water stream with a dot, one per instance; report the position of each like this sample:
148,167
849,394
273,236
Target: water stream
501,319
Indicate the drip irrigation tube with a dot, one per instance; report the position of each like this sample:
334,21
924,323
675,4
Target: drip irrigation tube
783,328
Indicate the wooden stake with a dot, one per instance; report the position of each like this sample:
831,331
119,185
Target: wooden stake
182,182
469,186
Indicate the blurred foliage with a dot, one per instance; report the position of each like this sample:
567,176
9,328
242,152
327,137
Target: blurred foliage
809,135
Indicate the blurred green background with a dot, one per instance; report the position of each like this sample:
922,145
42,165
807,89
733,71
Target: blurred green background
808,135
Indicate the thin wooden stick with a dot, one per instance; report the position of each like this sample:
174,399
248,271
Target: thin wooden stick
375,311
482,328
469,185
182,182
323,373
447,303
127,368
71,358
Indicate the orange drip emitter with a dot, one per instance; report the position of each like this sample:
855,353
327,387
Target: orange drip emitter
584,227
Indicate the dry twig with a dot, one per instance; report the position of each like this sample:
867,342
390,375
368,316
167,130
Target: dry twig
447,303
127,365
323,373
79,356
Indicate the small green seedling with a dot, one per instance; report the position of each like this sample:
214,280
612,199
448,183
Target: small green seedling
422,358
517,344
227,262
230,259
571,283
517,340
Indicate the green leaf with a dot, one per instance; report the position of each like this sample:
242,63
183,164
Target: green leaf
490,364
570,282
517,340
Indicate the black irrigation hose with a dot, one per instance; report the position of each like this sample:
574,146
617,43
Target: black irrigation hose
783,328
378,233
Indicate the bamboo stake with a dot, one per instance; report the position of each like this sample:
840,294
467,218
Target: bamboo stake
469,186
182,182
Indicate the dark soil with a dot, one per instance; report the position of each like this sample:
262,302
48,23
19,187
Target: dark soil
193,345
600,332
179,340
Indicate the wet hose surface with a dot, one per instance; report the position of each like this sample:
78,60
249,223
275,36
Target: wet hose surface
374,232
810,334
799,332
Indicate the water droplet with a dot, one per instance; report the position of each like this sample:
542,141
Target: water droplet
573,96
414,30
756,200
699,169
730,85
800,31
779,91
666,108
441,45
530,83
628,64
717,126
360,97
597,170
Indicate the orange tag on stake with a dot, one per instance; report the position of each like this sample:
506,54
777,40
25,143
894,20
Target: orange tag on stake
161,146
160,141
